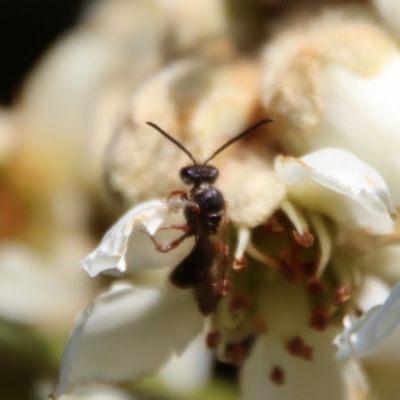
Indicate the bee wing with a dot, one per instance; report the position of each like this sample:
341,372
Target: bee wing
209,290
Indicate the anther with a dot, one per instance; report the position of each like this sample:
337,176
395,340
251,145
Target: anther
306,239
236,353
277,376
358,313
213,339
315,286
319,318
240,263
239,302
297,348
341,295
274,226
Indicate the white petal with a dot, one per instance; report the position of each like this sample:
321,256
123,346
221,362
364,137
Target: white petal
126,333
304,380
286,310
110,255
344,174
189,371
43,290
365,334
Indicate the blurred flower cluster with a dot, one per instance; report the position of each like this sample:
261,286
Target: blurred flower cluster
311,218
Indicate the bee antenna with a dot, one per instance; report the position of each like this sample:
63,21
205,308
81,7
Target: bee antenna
236,138
174,141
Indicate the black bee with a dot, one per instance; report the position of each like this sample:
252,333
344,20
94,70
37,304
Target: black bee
203,269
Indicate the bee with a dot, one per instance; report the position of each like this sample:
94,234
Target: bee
203,269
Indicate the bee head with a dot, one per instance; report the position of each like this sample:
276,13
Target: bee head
197,174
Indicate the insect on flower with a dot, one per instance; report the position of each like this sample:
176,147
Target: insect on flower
203,269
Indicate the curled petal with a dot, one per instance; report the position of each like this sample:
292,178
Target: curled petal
365,334
344,174
110,255
126,333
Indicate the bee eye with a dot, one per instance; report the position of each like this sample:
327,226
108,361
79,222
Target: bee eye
197,174
186,175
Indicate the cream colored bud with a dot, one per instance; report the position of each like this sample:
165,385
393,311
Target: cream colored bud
192,23
335,83
200,106
74,92
298,55
251,190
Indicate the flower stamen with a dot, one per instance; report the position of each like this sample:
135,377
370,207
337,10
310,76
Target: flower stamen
262,258
243,239
306,239
324,242
295,217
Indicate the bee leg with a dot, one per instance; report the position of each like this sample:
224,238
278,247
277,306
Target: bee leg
170,246
222,247
178,192
178,227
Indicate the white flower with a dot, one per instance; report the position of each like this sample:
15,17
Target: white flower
276,320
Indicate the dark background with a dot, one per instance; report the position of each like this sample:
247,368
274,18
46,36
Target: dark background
27,28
